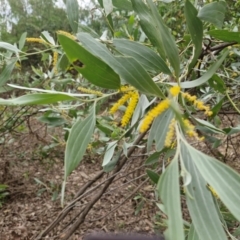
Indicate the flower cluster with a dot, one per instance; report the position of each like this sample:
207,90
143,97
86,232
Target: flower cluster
198,104
66,34
37,40
159,109
170,133
85,90
175,91
130,109
190,130
132,96
55,59
152,114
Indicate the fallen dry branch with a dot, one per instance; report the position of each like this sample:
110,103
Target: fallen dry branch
83,192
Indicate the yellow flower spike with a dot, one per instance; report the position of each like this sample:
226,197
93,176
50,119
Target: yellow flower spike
37,40
198,104
190,128
124,88
175,90
120,102
170,133
130,109
55,59
66,34
85,90
152,114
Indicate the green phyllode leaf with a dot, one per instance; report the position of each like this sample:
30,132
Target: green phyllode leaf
6,72
136,75
123,4
37,99
195,28
144,55
207,75
78,140
73,14
225,35
127,68
168,190
192,235
199,199
102,76
214,13
108,6
224,180
157,32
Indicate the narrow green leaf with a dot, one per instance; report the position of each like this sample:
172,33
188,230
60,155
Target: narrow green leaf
6,72
109,152
144,55
9,47
154,158
127,68
206,76
78,140
100,50
136,75
52,121
215,110
108,6
48,37
224,180
225,35
123,4
102,76
199,200
230,131
86,29
22,40
73,14
195,28
37,99
214,13
157,32
217,84
153,176
192,235
209,126
168,190
111,165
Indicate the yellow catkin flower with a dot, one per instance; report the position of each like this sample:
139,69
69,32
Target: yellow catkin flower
66,34
130,109
198,104
214,193
85,90
120,102
36,40
125,88
55,59
170,134
190,129
152,114
175,90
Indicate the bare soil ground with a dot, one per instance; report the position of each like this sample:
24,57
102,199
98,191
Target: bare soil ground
34,178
